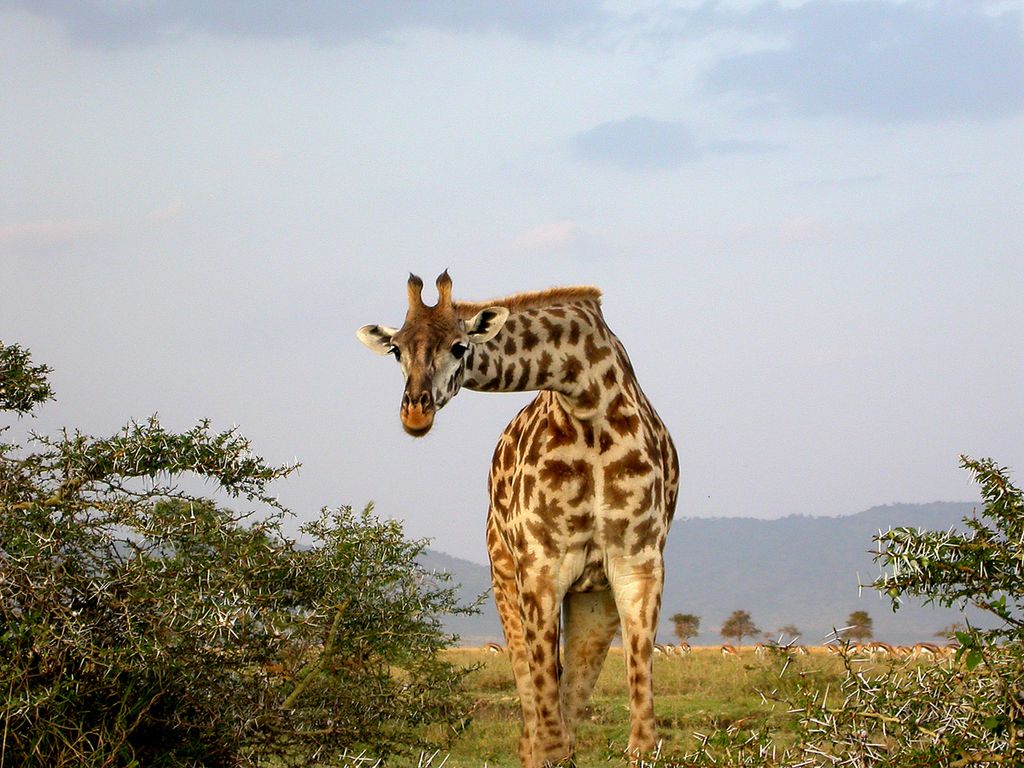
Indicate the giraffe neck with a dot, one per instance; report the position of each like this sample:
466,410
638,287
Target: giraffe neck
564,348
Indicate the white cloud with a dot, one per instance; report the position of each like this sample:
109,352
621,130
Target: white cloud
637,143
103,23
552,236
878,60
644,144
48,232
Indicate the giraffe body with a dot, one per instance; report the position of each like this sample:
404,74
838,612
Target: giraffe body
583,486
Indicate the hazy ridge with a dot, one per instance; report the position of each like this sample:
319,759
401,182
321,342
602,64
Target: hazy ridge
793,570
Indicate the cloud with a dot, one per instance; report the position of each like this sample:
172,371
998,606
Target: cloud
644,144
877,60
47,233
557,240
637,143
741,147
552,236
103,23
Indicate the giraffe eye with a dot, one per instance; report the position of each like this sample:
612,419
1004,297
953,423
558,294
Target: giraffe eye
459,349
396,352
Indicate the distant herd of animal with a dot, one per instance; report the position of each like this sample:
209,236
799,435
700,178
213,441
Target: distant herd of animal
864,650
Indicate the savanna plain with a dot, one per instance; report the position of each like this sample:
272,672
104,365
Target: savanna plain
696,696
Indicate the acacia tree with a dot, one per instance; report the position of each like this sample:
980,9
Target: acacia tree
686,625
23,385
859,626
789,630
739,625
141,624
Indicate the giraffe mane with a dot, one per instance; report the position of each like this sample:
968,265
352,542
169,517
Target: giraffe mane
532,300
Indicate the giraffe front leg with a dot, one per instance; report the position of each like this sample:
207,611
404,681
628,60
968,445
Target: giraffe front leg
636,583
506,596
540,612
589,621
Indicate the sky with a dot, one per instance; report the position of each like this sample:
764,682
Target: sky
806,219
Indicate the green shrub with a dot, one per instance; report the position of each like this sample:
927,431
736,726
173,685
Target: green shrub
143,625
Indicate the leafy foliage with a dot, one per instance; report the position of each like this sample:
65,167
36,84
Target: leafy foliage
983,566
970,711
141,624
916,715
22,385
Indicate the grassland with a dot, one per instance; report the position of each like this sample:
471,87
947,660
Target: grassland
699,693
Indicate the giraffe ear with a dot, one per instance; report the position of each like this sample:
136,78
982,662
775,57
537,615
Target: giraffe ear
485,324
377,338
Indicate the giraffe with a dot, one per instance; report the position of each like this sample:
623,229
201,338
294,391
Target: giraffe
583,486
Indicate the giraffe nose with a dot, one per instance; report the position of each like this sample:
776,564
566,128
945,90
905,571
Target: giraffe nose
417,412
424,401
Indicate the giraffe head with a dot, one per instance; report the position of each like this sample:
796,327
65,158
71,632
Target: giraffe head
431,348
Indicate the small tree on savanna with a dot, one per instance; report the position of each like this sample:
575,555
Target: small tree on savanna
789,632
739,625
686,625
859,626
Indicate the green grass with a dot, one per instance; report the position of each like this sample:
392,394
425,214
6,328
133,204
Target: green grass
699,693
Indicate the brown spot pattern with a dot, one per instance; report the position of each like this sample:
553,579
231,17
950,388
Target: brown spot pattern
631,465
524,375
594,353
622,416
557,473
561,431
614,532
543,369
571,370
530,341
643,532
554,331
590,397
574,333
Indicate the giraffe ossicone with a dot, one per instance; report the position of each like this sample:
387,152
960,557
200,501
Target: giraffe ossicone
583,486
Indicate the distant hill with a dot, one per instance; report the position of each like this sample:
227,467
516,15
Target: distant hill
794,570
474,580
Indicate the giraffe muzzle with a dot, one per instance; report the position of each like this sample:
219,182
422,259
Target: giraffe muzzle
417,413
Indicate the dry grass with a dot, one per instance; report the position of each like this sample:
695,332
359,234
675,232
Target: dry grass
699,693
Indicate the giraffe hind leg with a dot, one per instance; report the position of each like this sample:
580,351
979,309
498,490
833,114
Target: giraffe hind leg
637,584
589,623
